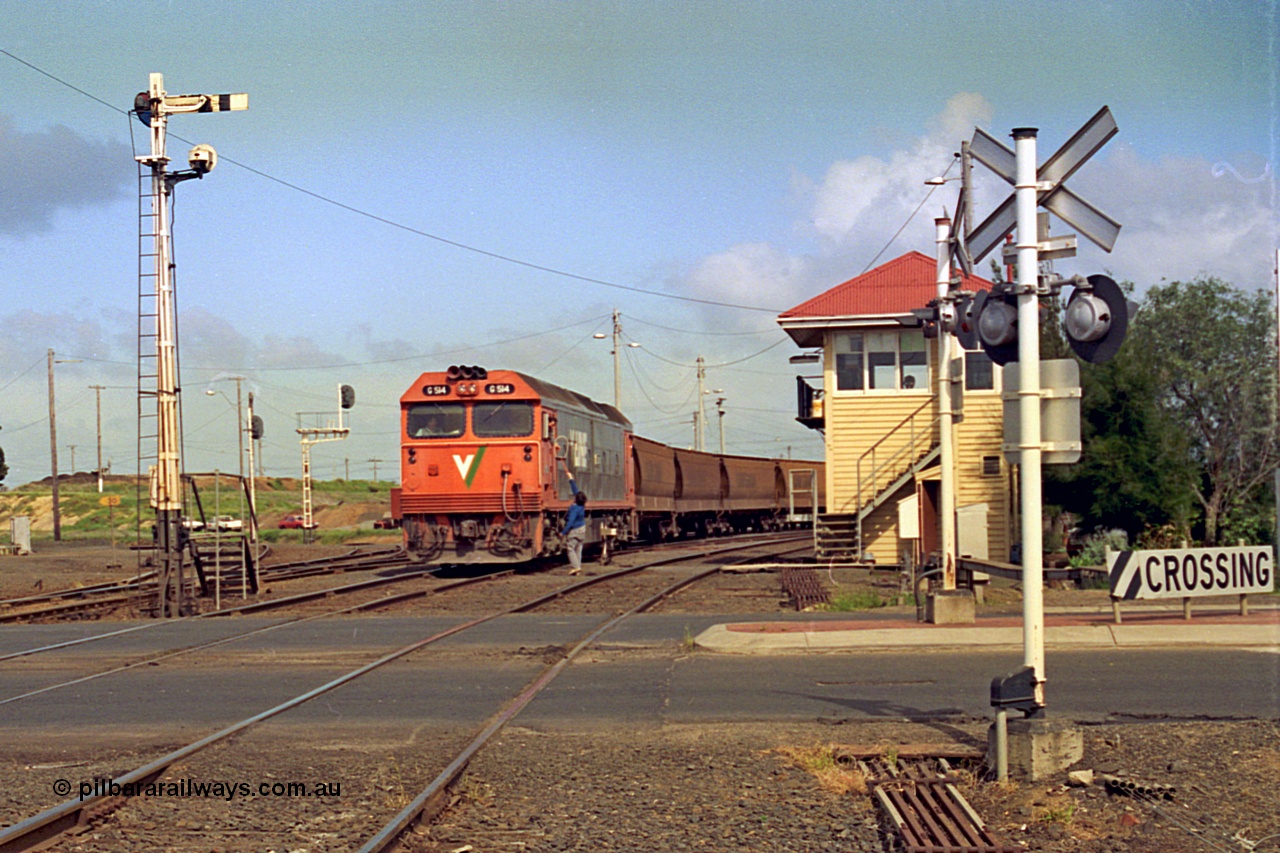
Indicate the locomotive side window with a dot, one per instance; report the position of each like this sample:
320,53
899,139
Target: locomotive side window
436,420
502,420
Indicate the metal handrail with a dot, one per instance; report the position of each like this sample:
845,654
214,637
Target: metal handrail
909,449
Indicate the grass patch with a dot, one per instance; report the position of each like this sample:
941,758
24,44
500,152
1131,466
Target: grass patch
1063,815
858,600
820,762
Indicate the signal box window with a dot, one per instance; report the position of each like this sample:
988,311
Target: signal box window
979,374
915,361
436,420
882,360
849,362
502,420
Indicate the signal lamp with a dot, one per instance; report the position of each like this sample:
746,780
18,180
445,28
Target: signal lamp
994,320
1097,319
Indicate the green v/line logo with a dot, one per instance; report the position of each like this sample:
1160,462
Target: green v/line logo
468,465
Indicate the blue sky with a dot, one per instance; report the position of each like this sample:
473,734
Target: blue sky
753,154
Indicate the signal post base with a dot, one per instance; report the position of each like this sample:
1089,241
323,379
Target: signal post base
950,607
1038,748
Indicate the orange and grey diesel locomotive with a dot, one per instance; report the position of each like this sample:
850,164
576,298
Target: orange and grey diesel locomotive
481,480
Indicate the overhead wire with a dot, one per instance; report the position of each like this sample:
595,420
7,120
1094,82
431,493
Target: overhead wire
698,331
912,216
683,377
418,231
565,352
22,374
653,403
373,362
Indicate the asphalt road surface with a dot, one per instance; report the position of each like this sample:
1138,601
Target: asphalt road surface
641,674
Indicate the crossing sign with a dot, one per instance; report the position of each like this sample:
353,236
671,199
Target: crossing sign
1053,194
1189,572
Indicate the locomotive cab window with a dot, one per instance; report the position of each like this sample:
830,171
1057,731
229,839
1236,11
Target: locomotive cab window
436,420
502,420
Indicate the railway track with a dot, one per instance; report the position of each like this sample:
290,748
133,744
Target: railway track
308,568
133,594
46,826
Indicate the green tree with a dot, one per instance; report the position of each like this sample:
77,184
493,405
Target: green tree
4,469
1135,472
1211,352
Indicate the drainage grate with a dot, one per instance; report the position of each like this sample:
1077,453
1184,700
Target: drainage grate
802,587
925,808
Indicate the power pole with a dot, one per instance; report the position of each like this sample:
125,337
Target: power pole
700,438
617,362
346,468
53,455
97,392
375,468
72,448
53,447
240,431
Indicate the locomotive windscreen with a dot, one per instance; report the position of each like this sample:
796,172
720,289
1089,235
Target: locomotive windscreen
502,420
436,420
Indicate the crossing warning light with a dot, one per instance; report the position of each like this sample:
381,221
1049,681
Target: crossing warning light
1097,319
994,315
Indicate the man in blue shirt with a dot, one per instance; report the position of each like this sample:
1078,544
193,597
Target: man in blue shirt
575,524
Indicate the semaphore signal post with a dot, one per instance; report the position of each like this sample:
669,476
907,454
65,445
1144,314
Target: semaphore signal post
157,321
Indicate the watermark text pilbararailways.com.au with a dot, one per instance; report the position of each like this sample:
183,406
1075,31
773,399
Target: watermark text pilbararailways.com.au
192,788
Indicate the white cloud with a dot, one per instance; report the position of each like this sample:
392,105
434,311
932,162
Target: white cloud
1185,216
1180,216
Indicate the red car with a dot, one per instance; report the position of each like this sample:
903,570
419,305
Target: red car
293,522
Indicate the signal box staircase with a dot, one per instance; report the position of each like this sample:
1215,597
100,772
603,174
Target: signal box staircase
882,470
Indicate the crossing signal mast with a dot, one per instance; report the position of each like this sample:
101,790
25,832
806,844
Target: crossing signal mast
1005,323
153,108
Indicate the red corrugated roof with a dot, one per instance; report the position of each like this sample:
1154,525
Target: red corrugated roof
893,288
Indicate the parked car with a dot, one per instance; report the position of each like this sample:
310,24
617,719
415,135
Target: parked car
228,523
387,523
192,523
294,522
